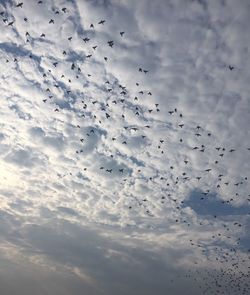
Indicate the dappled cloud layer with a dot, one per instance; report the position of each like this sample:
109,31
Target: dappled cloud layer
124,139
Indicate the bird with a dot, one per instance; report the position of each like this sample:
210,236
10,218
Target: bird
101,22
122,33
20,4
110,43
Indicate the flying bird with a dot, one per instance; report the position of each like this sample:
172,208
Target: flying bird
101,22
20,4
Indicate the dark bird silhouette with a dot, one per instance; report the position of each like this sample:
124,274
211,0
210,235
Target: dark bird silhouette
111,43
20,5
101,22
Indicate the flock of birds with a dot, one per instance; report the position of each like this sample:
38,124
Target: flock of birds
230,279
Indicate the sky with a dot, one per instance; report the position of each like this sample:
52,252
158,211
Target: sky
124,147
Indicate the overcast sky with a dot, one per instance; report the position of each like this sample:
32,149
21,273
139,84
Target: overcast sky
124,147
